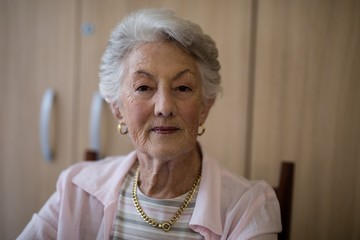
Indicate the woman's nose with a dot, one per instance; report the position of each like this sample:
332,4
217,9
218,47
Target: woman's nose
164,103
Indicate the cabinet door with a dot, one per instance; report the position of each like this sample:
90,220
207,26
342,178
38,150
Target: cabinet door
307,110
38,40
229,24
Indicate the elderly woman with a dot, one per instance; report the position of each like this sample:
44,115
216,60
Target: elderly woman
160,75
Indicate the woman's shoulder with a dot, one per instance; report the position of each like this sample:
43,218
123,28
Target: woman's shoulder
108,162
250,204
242,185
98,169
232,181
101,179
242,201
236,187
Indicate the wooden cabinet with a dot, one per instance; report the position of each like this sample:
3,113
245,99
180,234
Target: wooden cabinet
290,73
38,51
307,110
44,47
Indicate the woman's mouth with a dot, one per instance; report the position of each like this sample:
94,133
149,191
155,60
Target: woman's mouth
164,130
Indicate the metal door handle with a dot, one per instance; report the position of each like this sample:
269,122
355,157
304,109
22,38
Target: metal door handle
46,109
95,122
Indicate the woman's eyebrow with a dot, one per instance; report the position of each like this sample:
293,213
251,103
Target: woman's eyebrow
143,72
151,76
181,73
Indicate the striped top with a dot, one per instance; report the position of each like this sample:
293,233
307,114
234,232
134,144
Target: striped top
130,225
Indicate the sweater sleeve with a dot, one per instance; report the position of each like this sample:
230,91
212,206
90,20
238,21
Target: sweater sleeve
43,225
70,213
260,214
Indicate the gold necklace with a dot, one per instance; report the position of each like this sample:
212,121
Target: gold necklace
166,226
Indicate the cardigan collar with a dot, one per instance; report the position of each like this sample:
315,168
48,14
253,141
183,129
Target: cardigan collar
104,178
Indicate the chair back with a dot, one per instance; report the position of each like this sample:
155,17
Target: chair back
91,155
284,194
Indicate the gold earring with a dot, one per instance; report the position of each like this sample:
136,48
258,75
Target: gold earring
201,130
122,128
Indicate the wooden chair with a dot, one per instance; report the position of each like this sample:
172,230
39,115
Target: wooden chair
284,194
91,155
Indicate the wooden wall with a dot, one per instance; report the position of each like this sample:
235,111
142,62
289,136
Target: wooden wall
291,79
307,110
38,42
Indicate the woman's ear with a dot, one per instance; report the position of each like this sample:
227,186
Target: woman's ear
207,104
116,111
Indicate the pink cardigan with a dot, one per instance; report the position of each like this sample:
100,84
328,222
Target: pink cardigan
84,205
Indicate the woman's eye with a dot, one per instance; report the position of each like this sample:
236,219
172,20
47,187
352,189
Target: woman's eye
184,89
142,88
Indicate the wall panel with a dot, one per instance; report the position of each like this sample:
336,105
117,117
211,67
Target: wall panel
307,110
39,45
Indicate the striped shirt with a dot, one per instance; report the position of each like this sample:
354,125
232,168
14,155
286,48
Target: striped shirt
130,225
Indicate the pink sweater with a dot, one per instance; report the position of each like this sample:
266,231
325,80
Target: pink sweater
84,205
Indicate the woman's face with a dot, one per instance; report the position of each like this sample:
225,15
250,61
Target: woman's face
162,101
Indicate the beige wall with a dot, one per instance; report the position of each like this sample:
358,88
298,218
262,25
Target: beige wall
291,92
38,38
307,110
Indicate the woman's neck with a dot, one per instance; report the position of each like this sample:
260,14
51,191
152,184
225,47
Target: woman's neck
168,178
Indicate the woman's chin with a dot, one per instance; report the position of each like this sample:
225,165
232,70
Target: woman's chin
168,150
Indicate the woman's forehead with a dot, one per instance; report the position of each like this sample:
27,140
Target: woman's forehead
161,57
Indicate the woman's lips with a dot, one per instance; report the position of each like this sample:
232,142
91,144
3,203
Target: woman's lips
164,130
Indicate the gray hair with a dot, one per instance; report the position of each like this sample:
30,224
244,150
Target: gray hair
151,25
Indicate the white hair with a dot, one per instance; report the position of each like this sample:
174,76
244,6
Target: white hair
152,25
